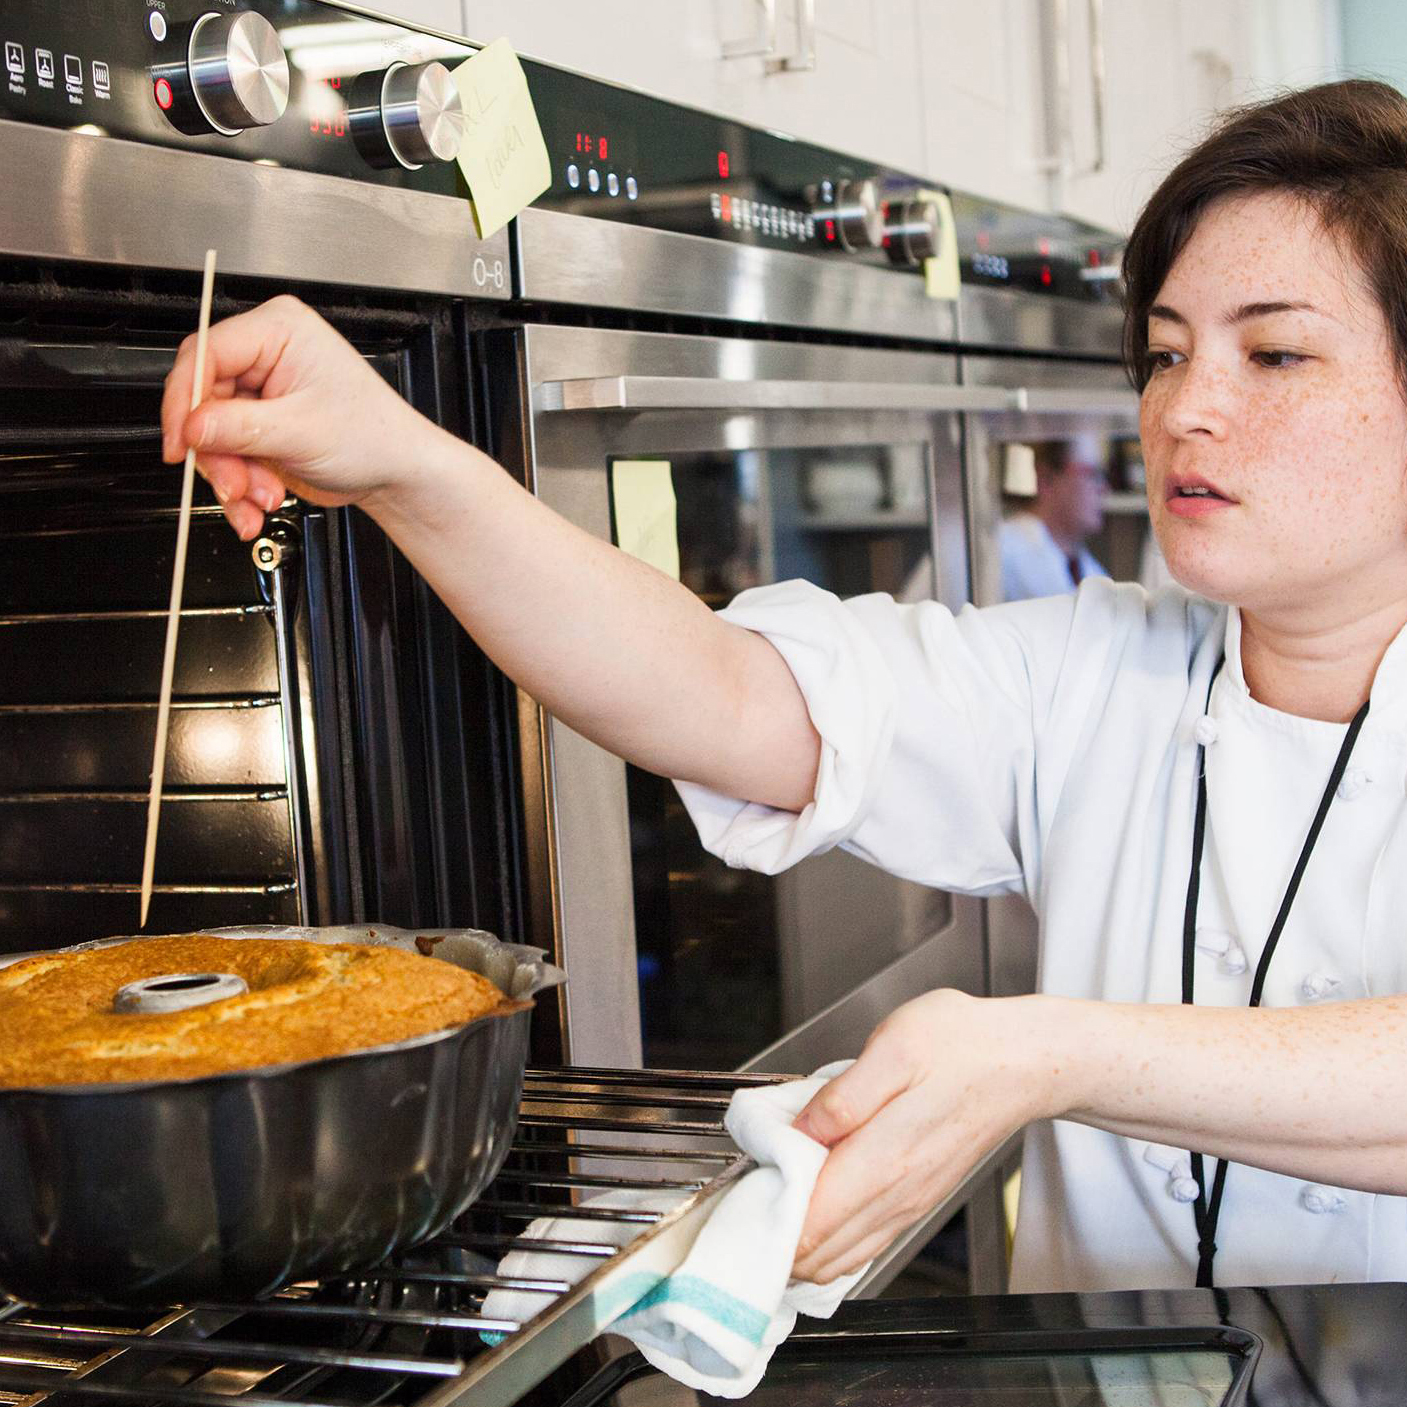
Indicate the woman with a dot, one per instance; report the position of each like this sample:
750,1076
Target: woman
1148,770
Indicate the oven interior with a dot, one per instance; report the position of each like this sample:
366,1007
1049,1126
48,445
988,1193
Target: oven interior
339,750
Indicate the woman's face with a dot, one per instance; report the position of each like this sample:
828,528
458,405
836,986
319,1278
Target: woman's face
1274,426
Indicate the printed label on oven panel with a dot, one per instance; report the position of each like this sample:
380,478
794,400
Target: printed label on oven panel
486,273
44,67
73,77
14,67
102,79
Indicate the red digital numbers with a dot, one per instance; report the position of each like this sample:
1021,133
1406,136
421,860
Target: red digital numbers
329,117
588,144
722,165
603,148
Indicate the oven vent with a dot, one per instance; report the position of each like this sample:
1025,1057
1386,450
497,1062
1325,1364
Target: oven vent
410,1331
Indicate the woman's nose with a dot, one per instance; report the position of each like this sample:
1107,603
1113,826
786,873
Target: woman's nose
1198,401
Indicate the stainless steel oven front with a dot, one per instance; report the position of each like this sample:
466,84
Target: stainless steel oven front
839,464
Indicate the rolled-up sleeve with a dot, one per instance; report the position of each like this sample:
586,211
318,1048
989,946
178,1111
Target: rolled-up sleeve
927,723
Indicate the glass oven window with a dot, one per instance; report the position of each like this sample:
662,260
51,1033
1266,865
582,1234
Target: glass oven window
729,960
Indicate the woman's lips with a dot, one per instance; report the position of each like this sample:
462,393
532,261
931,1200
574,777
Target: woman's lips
1201,505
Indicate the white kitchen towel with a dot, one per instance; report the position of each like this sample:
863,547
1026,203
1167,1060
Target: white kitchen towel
714,1323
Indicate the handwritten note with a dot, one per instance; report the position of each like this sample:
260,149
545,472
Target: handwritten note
504,158
941,277
646,512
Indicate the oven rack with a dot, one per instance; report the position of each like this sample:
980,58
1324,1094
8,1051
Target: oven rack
408,1333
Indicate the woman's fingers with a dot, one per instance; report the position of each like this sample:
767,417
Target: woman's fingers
855,1096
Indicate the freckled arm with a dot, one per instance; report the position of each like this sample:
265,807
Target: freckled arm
1318,1093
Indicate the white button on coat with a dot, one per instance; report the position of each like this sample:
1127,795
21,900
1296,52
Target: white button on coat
1045,747
1316,1198
1205,731
1182,1186
1353,782
1217,943
1319,985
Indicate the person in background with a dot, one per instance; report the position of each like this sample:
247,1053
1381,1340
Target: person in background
1043,549
1189,786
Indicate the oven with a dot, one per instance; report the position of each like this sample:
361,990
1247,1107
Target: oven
339,749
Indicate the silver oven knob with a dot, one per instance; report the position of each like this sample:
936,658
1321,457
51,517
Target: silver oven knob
238,71
407,115
911,230
858,216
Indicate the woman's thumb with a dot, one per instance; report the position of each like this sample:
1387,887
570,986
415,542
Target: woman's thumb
252,428
853,1098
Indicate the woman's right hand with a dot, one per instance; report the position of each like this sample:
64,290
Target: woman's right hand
288,405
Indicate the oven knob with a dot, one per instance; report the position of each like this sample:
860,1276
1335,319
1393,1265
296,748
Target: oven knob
911,230
232,74
858,216
407,115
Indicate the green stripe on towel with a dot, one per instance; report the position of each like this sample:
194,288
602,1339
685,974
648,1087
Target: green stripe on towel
735,1315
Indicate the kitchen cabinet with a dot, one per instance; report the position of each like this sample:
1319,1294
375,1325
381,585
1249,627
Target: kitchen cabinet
1001,99
447,15
1168,70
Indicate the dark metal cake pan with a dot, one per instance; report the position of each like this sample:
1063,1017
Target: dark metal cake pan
231,1185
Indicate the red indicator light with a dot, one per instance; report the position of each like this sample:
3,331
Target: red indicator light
1094,259
164,96
723,165
830,231
1045,274
603,148
725,207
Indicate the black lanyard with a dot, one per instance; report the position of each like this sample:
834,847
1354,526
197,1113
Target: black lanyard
1207,1216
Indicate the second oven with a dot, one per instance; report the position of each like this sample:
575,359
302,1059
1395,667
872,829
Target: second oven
842,465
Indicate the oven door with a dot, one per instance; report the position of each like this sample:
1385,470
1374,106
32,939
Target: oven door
836,464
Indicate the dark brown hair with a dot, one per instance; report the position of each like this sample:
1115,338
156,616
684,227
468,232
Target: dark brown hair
1340,147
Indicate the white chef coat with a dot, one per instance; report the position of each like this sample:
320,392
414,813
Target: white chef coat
1049,747
1033,563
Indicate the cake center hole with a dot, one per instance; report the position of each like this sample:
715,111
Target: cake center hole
175,991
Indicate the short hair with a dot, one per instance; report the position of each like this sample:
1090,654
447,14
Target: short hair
1339,147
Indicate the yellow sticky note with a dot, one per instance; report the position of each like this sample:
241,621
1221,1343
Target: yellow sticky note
642,495
504,158
941,278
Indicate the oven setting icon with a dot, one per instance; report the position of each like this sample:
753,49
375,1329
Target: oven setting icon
102,80
73,71
14,57
44,65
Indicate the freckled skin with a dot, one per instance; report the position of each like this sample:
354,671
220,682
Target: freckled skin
1314,451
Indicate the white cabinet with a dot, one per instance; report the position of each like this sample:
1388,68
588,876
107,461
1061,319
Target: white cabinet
1168,70
1001,98
445,15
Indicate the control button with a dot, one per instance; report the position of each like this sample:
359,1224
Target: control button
14,58
44,67
573,175
406,115
827,192
161,90
73,74
911,231
593,180
156,23
102,79
232,75
612,184
859,221
631,189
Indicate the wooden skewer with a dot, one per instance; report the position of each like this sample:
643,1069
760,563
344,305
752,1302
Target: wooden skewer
173,619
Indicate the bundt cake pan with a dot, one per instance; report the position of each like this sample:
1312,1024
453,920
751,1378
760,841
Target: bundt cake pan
231,1185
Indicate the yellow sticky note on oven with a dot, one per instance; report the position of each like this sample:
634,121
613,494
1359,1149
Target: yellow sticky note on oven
646,512
941,276
503,156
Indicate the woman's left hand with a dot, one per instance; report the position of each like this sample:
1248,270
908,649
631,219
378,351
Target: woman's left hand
940,1083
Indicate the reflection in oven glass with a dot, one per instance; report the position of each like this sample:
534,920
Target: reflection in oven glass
729,961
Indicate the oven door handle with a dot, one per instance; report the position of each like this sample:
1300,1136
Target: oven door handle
709,393
1070,400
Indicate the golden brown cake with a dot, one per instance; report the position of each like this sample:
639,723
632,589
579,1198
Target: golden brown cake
305,1000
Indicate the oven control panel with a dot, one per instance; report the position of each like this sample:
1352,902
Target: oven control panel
284,82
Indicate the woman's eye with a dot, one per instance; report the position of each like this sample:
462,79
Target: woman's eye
1161,361
1275,361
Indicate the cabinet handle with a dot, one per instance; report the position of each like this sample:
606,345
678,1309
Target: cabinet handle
763,43
804,60
1098,88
